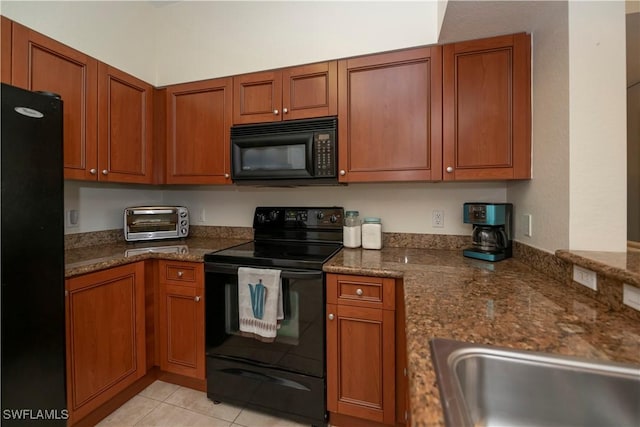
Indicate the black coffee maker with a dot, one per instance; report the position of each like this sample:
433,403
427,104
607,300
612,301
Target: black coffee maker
492,235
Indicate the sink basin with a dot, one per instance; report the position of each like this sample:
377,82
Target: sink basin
482,385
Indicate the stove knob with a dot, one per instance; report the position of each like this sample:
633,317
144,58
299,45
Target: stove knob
273,215
320,215
261,218
333,218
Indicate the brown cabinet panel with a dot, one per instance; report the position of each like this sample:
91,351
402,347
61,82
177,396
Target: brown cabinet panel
486,109
105,335
181,318
257,97
310,91
362,291
361,362
301,92
40,63
198,122
389,115
125,127
5,50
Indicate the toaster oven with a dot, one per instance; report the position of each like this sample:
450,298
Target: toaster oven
155,222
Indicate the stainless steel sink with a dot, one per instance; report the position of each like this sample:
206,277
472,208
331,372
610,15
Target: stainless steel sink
483,385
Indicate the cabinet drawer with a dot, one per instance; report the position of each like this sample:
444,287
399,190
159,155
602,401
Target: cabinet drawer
182,273
361,291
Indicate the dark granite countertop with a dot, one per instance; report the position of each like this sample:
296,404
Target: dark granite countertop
93,258
505,304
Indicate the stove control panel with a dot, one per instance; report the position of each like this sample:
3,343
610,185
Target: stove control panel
300,218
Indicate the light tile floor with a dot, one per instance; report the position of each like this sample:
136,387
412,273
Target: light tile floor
168,405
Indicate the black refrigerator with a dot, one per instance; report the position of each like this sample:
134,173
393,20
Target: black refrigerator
32,234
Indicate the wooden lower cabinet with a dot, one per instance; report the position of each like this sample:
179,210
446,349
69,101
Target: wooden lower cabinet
105,321
363,351
181,315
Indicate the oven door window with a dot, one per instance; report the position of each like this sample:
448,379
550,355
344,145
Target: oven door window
274,156
152,222
299,341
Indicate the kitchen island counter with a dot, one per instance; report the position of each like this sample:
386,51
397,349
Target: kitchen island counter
505,304
99,257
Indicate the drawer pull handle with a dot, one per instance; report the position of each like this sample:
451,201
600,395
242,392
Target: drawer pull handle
331,316
359,292
180,274
197,298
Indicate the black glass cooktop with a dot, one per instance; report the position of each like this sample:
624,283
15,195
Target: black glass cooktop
308,255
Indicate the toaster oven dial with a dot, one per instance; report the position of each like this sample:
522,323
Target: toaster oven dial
183,214
183,231
183,222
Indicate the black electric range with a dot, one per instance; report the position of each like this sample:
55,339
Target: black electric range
287,375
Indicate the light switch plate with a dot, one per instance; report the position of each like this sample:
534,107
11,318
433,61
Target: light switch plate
631,296
585,277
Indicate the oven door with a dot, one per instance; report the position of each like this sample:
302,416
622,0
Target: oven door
299,344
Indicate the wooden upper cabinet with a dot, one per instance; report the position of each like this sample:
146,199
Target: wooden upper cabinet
198,120
5,50
292,93
487,109
389,116
125,127
39,63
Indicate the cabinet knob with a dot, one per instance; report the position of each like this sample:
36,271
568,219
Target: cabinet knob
180,274
285,110
105,172
331,316
449,169
93,171
197,298
343,172
275,112
359,292
226,175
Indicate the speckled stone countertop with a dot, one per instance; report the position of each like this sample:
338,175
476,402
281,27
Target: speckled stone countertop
505,304
93,258
623,266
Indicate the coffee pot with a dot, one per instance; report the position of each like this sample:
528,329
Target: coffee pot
489,238
492,230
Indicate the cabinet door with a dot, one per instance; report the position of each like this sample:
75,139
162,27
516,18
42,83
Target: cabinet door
310,91
257,97
182,330
486,109
125,126
105,335
198,123
389,115
40,63
5,50
361,362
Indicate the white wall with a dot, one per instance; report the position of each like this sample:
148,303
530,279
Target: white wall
200,40
598,126
101,205
402,207
120,33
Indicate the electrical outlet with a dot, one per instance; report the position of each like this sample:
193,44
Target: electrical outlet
437,218
526,225
71,218
585,277
631,296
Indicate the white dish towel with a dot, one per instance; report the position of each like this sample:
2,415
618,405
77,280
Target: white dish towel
260,304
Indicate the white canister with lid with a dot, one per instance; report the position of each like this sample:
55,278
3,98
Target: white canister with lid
352,231
372,233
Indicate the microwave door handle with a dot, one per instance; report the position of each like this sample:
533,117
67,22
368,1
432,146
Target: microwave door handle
286,274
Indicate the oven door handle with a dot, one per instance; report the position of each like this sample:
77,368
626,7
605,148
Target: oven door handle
286,274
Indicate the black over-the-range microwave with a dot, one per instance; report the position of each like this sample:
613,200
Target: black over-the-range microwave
295,152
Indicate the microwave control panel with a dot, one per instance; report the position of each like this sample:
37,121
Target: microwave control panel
324,148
